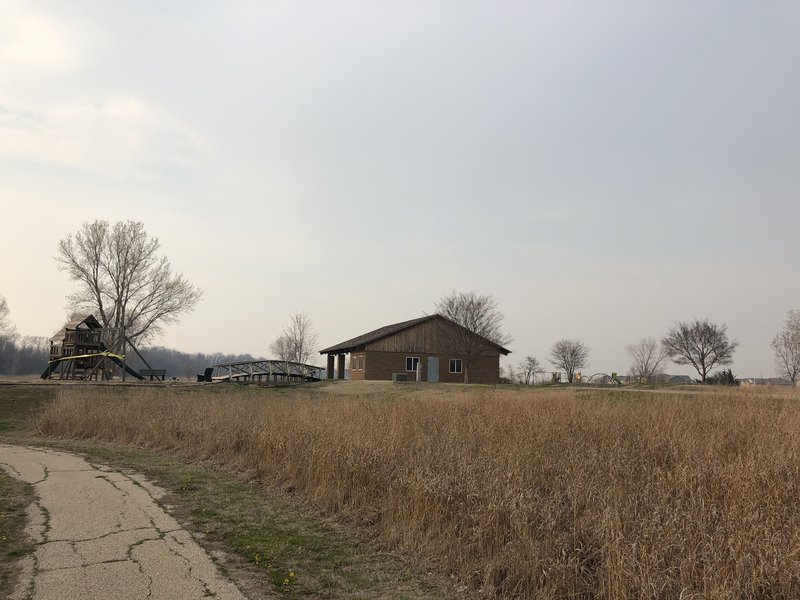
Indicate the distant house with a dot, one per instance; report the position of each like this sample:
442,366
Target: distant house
426,346
680,380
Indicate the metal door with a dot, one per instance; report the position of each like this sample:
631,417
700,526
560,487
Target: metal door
433,368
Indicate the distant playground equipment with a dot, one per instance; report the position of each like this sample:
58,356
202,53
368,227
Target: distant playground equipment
263,372
604,379
78,352
206,376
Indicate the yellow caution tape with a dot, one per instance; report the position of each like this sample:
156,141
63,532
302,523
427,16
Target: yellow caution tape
109,354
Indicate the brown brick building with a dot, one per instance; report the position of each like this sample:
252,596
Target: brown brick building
432,348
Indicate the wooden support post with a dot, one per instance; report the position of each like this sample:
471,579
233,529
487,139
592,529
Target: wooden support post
331,361
139,354
340,366
124,349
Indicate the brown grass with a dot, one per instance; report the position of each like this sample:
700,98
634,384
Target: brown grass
548,494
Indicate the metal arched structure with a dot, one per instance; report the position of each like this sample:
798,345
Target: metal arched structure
266,371
603,379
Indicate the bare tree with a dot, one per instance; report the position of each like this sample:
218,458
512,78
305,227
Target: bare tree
280,348
648,358
479,317
701,344
7,330
569,355
8,337
508,375
123,279
787,348
297,341
529,369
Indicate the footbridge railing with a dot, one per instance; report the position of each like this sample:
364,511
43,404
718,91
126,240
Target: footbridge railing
266,371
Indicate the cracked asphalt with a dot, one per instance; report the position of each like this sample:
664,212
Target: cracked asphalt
101,534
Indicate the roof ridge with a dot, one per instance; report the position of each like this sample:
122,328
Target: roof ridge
387,330
377,334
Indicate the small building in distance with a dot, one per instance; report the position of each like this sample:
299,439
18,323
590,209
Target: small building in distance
765,381
434,346
680,380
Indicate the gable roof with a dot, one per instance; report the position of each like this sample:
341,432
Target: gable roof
74,323
388,330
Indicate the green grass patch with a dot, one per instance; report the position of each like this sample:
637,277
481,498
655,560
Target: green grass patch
14,497
19,404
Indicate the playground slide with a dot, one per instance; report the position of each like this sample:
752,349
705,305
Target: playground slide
130,371
116,361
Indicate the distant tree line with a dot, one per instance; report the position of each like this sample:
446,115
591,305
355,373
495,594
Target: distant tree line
28,355
699,343
181,365
23,355
19,355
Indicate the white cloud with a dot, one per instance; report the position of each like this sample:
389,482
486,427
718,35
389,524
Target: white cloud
53,110
32,40
118,136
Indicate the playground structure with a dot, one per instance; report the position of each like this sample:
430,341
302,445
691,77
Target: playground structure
604,379
78,352
266,372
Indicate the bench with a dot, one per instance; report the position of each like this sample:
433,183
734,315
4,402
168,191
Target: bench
153,374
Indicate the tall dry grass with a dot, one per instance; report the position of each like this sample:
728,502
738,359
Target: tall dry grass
548,494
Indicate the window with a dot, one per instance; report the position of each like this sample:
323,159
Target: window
411,363
356,362
455,365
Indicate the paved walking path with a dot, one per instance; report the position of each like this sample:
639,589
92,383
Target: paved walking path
100,534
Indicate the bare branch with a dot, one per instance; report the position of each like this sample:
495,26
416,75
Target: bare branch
479,317
122,276
298,341
701,344
569,355
786,346
529,369
648,358
7,330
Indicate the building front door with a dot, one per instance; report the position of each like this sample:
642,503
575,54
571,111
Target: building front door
433,369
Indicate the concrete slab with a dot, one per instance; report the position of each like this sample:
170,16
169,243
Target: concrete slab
115,546
100,534
56,555
36,522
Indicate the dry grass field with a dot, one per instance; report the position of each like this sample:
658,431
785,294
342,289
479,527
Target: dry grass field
518,493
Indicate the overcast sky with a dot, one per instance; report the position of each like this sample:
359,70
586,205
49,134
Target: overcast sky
604,169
